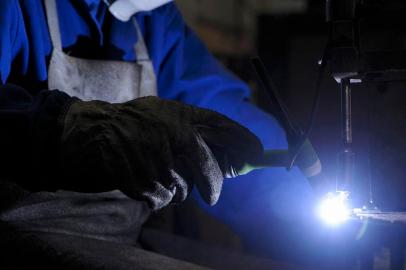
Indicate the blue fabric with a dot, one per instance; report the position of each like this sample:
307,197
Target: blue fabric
185,70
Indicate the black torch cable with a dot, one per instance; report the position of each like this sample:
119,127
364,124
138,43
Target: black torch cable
317,96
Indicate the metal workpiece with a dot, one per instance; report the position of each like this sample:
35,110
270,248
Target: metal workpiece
383,216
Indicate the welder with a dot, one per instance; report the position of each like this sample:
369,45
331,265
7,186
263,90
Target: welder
83,136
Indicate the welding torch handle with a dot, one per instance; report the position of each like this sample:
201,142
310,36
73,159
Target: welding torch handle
307,160
270,159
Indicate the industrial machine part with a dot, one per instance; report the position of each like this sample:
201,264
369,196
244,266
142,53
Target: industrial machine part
366,40
366,44
347,156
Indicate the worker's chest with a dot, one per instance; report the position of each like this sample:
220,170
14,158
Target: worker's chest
88,32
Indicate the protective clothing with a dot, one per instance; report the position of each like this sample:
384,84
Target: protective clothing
124,9
149,153
88,79
185,71
154,150
111,81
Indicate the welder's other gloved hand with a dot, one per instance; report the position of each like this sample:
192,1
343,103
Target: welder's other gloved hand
153,149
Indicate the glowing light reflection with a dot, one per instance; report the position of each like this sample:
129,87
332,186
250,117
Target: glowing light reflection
334,208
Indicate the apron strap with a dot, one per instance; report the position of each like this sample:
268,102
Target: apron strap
148,79
53,23
141,51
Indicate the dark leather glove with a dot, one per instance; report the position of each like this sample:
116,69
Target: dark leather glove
153,149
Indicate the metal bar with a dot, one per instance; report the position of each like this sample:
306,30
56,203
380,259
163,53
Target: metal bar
346,157
399,217
346,121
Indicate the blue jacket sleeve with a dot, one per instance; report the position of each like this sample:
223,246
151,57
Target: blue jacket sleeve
191,74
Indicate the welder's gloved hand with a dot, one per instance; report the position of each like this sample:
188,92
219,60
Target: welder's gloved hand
153,149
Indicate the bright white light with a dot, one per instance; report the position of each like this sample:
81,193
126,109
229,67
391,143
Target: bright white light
334,209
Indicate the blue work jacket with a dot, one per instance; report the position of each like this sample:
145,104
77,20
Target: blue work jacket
185,71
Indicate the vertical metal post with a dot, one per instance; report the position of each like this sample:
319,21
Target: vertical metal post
346,121
346,157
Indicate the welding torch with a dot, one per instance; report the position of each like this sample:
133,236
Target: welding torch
300,152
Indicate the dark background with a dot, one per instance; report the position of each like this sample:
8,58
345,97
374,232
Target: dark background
290,39
290,36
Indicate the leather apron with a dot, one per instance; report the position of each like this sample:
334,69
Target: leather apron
110,216
110,81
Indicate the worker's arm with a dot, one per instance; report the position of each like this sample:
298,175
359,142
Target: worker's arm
29,129
29,134
191,74
151,149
